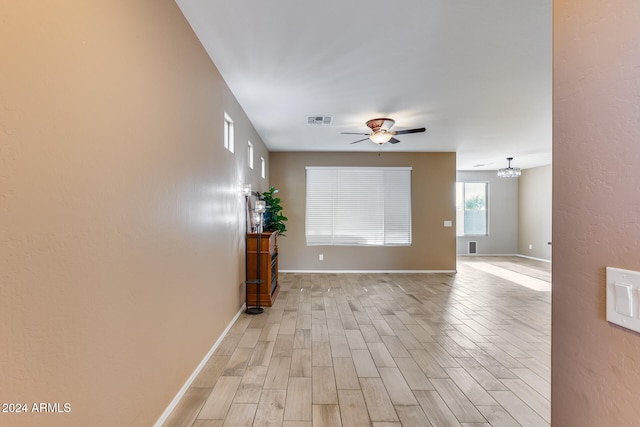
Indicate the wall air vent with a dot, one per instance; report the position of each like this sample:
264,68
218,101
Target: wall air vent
472,248
319,120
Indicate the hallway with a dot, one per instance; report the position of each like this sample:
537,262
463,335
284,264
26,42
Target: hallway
465,349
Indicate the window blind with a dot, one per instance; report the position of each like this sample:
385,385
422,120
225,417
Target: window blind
358,206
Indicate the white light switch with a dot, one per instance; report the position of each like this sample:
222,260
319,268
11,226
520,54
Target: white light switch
623,295
448,224
623,299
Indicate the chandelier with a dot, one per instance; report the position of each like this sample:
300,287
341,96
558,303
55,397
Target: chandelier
509,172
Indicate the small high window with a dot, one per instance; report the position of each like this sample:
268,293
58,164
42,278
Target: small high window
250,154
228,133
263,168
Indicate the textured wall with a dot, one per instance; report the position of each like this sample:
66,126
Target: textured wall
534,212
121,245
433,202
503,215
596,211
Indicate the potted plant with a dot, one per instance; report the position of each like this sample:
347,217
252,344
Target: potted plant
274,220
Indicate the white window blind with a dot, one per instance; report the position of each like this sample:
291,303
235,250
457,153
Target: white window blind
368,206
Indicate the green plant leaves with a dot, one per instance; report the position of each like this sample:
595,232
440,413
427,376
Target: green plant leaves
274,220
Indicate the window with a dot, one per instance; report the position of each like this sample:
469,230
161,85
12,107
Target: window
358,206
250,154
263,168
228,133
471,208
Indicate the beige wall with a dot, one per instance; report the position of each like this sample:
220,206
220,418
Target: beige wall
121,245
596,171
433,202
534,212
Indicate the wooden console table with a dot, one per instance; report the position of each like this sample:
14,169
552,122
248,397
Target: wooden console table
269,286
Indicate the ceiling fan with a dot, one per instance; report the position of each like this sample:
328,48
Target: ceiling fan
381,133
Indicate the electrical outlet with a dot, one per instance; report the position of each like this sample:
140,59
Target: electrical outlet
530,247
321,257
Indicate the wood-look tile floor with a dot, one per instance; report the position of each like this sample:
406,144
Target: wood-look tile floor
466,349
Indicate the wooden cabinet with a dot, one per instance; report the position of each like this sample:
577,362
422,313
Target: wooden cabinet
268,253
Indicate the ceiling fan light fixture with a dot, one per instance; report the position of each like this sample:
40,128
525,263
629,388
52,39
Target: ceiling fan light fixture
381,137
381,133
509,172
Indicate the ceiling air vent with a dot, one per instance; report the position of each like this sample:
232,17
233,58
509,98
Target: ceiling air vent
319,120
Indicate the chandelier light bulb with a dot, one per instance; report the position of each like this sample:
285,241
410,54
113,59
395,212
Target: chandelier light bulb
509,172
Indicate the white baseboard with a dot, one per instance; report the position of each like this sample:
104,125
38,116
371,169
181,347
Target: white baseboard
185,387
483,255
535,259
366,271
504,255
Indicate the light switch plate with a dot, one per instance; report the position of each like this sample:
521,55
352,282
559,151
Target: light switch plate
623,295
448,224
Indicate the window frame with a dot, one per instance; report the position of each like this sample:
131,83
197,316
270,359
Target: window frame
358,206
229,133
460,213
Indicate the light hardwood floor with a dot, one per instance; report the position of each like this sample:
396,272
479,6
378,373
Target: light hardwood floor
466,349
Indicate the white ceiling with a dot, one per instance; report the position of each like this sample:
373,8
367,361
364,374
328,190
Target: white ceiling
476,74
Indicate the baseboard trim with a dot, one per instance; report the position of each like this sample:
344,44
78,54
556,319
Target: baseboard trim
367,271
483,255
503,255
535,259
191,379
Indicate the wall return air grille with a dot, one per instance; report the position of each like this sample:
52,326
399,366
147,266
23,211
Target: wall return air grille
472,248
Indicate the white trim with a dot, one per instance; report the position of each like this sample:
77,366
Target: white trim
367,271
185,387
398,168
484,255
535,259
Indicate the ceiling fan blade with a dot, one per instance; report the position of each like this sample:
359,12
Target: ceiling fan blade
360,140
354,133
393,141
402,132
